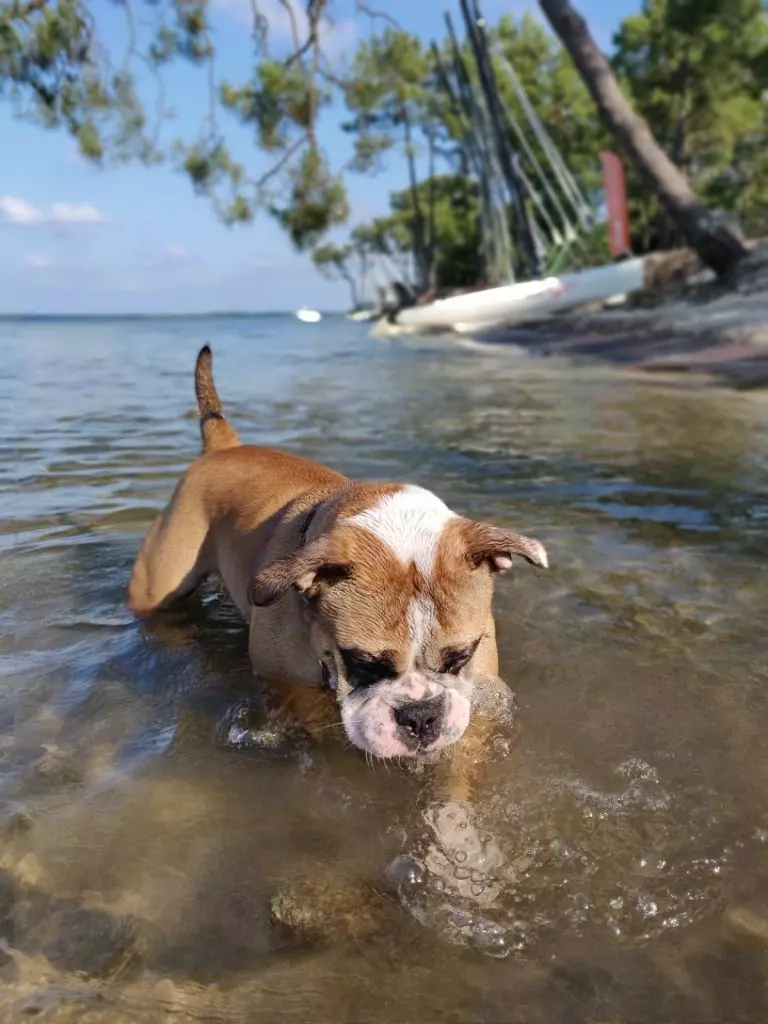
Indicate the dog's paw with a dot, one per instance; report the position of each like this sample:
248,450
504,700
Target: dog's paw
246,726
492,699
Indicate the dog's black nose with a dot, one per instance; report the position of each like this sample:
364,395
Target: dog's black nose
420,720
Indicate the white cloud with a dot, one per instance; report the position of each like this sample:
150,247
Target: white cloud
19,211
14,210
335,37
177,253
76,213
38,260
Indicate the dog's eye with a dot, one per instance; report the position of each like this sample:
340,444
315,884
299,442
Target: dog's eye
455,658
365,669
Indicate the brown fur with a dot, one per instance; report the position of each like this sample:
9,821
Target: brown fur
214,429
243,511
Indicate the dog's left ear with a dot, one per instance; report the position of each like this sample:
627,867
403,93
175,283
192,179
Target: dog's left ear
497,547
306,570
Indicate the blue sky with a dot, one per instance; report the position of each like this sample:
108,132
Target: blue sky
74,238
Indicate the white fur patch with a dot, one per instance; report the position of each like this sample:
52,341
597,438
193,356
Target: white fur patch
410,522
421,621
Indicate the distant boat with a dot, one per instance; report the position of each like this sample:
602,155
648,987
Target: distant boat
308,316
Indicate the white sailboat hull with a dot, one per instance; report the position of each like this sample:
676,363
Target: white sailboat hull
530,300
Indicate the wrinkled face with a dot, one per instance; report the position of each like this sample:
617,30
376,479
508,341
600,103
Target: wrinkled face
408,622
400,594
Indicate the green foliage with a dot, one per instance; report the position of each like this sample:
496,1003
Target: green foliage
316,201
280,102
456,241
331,259
50,70
387,236
696,70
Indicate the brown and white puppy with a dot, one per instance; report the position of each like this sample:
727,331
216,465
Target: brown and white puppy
377,590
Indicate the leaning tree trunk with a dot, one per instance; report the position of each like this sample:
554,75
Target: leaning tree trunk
352,288
418,226
717,247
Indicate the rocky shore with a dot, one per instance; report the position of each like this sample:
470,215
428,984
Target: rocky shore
683,322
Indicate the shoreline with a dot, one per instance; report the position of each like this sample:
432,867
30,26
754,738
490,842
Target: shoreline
713,327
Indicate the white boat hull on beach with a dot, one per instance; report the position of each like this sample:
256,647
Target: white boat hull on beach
515,303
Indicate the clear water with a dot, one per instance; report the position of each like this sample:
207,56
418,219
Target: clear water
613,862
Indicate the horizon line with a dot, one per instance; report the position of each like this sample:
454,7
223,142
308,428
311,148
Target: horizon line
159,316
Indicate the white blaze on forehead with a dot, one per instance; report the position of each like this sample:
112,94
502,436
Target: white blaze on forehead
410,522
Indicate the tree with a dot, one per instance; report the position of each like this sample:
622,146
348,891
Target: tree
693,69
716,246
55,68
387,94
456,232
332,261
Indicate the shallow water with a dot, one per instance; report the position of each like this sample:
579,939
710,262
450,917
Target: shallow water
612,862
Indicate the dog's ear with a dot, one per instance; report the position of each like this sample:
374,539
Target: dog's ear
306,570
496,547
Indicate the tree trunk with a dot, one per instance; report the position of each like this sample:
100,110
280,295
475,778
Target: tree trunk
352,288
717,247
431,245
418,227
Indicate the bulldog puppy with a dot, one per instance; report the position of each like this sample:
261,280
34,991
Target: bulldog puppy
377,591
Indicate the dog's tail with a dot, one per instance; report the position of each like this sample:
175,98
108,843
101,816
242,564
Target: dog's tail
215,431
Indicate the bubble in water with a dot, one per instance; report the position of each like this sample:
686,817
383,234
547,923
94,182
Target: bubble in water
647,906
492,943
406,873
636,769
649,863
461,856
502,746
486,936
461,873
561,848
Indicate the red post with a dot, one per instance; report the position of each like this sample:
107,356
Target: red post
616,202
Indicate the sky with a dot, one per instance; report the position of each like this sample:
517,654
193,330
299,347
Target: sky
79,239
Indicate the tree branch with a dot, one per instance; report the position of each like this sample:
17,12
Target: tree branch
280,164
288,7
362,7
19,10
260,27
298,54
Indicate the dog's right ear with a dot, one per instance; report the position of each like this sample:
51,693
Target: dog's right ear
306,570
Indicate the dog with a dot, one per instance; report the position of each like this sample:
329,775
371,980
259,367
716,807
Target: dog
375,591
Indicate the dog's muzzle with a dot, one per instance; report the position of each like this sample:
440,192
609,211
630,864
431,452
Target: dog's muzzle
417,714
